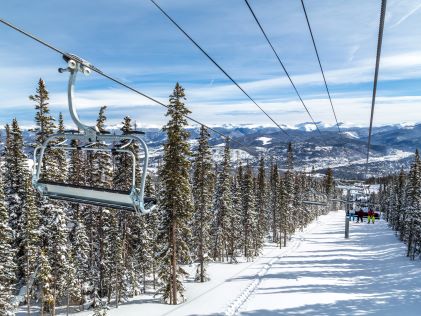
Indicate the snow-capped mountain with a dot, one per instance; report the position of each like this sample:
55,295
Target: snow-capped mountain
392,146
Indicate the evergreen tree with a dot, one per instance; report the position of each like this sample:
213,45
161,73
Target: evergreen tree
43,119
80,255
99,221
45,280
29,240
100,122
329,185
223,208
261,201
249,216
414,183
15,175
286,188
274,200
7,264
44,128
233,221
202,197
123,162
61,172
152,228
58,254
175,203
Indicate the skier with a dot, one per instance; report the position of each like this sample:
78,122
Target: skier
360,216
351,214
370,216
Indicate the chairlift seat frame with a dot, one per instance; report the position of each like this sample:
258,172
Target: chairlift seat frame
89,136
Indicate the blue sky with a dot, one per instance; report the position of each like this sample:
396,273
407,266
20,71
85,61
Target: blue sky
133,41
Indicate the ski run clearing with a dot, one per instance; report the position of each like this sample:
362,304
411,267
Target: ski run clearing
319,273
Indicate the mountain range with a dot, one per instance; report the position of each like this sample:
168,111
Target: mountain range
392,147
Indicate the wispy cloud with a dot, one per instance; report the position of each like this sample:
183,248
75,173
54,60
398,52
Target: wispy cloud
132,41
406,16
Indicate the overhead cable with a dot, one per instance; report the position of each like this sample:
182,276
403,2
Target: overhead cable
376,76
283,67
119,82
218,66
320,65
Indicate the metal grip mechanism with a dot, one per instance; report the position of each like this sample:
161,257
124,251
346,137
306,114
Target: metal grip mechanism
75,64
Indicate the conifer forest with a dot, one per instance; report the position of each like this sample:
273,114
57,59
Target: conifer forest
55,253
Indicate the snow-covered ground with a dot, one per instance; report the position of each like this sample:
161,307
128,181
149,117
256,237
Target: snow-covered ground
265,140
319,273
329,275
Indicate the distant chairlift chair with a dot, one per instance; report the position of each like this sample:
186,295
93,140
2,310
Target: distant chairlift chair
87,136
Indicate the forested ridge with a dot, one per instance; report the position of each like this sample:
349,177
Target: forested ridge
67,254
400,201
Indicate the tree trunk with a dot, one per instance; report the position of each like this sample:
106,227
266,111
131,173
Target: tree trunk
28,290
202,270
153,274
174,265
274,239
68,303
101,254
144,279
285,238
280,232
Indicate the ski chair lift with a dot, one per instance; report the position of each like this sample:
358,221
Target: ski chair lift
318,203
87,136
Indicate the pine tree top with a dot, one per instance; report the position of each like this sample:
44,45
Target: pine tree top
100,122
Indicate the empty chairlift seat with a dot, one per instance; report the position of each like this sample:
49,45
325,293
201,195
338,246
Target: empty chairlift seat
89,138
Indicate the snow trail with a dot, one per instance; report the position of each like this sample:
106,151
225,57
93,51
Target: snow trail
329,275
293,245
320,273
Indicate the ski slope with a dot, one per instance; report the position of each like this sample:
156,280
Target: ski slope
328,275
319,273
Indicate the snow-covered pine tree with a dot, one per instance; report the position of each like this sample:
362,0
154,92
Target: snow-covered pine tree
61,174
233,221
7,263
43,119
101,175
414,184
202,198
80,243
58,253
80,257
44,128
286,187
175,202
30,240
249,214
401,190
274,200
114,264
122,258
15,188
45,280
223,208
152,228
77,164
261,201
329,186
